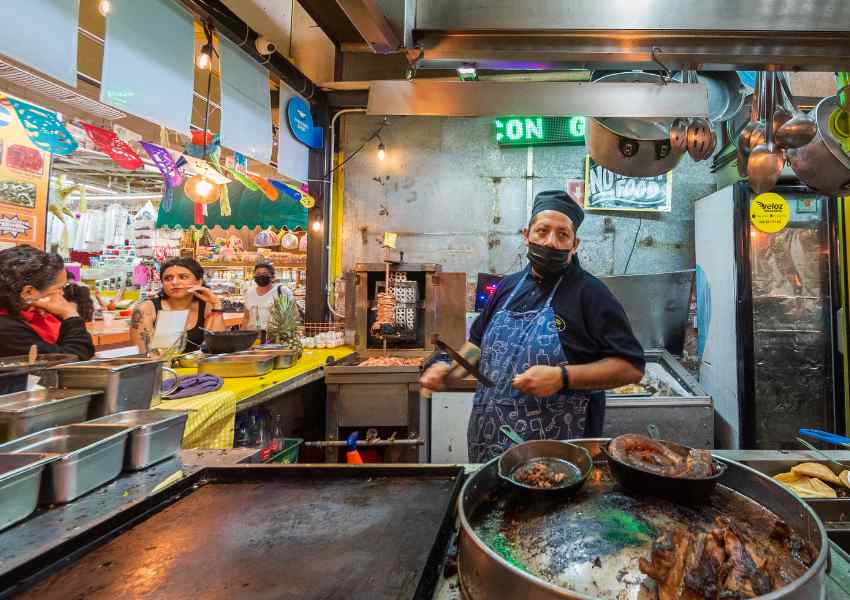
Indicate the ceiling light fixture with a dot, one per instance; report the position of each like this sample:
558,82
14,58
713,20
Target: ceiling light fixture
382,151
104,7
205,56
201,189
317,226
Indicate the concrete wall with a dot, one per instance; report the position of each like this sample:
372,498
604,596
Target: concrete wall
458,199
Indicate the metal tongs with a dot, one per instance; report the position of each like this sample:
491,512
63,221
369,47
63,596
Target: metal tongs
465,364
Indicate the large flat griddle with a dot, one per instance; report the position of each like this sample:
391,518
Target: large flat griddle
273,532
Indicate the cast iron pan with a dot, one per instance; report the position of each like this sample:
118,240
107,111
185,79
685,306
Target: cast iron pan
687,490
572,460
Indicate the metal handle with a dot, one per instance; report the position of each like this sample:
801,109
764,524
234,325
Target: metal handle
825,436
511,434
176,383
820,453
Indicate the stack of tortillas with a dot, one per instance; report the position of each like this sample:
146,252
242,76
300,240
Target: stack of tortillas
814,480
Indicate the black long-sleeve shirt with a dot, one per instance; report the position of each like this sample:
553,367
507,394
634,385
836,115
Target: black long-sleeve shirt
16,337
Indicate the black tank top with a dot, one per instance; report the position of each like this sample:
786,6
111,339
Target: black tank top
194,336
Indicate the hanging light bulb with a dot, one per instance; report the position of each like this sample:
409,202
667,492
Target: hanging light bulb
104,7
382,151
204,59
317,226
201,189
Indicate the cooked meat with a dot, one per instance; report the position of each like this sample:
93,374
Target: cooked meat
722,564
699,464
746,578
703,567
390,361
538,474
667,564
651,455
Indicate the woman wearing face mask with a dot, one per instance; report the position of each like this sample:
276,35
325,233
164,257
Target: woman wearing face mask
259,299
551,338
182,289
33,307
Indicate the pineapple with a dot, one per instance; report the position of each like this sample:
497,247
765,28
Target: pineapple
283,323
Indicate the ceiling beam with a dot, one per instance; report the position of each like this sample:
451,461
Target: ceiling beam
372,25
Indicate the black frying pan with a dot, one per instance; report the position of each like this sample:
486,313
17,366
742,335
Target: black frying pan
688,490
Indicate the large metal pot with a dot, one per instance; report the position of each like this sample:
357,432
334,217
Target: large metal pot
822,163
485,574
631,147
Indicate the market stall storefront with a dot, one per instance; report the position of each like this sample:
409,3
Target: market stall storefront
597,278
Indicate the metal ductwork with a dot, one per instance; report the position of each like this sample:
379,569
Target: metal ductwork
424,97
612,34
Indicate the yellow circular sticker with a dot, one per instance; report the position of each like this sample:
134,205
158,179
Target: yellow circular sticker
769,212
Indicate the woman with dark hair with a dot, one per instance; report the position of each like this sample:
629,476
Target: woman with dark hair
182,289
33,307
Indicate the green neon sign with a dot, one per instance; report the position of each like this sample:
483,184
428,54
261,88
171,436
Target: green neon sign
538,131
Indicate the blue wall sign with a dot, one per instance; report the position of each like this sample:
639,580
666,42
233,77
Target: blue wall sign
301,123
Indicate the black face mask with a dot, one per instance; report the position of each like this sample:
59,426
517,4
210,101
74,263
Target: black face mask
547,261
262,280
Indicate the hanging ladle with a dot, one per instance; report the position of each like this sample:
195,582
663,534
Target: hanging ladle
679,127
800,129
765,163
744,146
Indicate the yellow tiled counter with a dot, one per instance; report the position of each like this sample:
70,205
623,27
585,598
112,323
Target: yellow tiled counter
211,416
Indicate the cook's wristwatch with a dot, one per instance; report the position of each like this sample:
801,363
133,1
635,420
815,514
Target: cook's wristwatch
565,375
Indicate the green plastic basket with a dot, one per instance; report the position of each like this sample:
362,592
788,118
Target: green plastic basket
289,454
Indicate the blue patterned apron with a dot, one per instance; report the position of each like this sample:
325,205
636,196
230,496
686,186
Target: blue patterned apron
514,342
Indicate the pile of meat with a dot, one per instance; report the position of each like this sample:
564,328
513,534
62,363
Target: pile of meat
390,361
723,563
656,457
539,475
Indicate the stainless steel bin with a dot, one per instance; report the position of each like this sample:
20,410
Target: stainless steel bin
20,481
88,457
27,412
127,383
154,435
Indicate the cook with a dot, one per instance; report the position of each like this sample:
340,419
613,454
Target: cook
260,298
34,309
182,289
551,338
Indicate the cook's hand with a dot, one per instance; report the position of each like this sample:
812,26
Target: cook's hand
57,306
434,377
204,294
540,381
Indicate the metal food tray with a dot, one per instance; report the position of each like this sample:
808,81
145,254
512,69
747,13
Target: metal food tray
234,365
20,481
154,435
27,412
88,457
834,512
283,359
128,383
382,530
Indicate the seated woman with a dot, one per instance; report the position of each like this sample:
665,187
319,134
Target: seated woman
182,289
34,309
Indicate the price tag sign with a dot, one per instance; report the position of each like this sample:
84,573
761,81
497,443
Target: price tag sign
769,212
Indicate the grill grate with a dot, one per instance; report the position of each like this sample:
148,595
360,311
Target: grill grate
43,86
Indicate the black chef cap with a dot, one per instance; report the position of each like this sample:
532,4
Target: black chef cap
561,202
